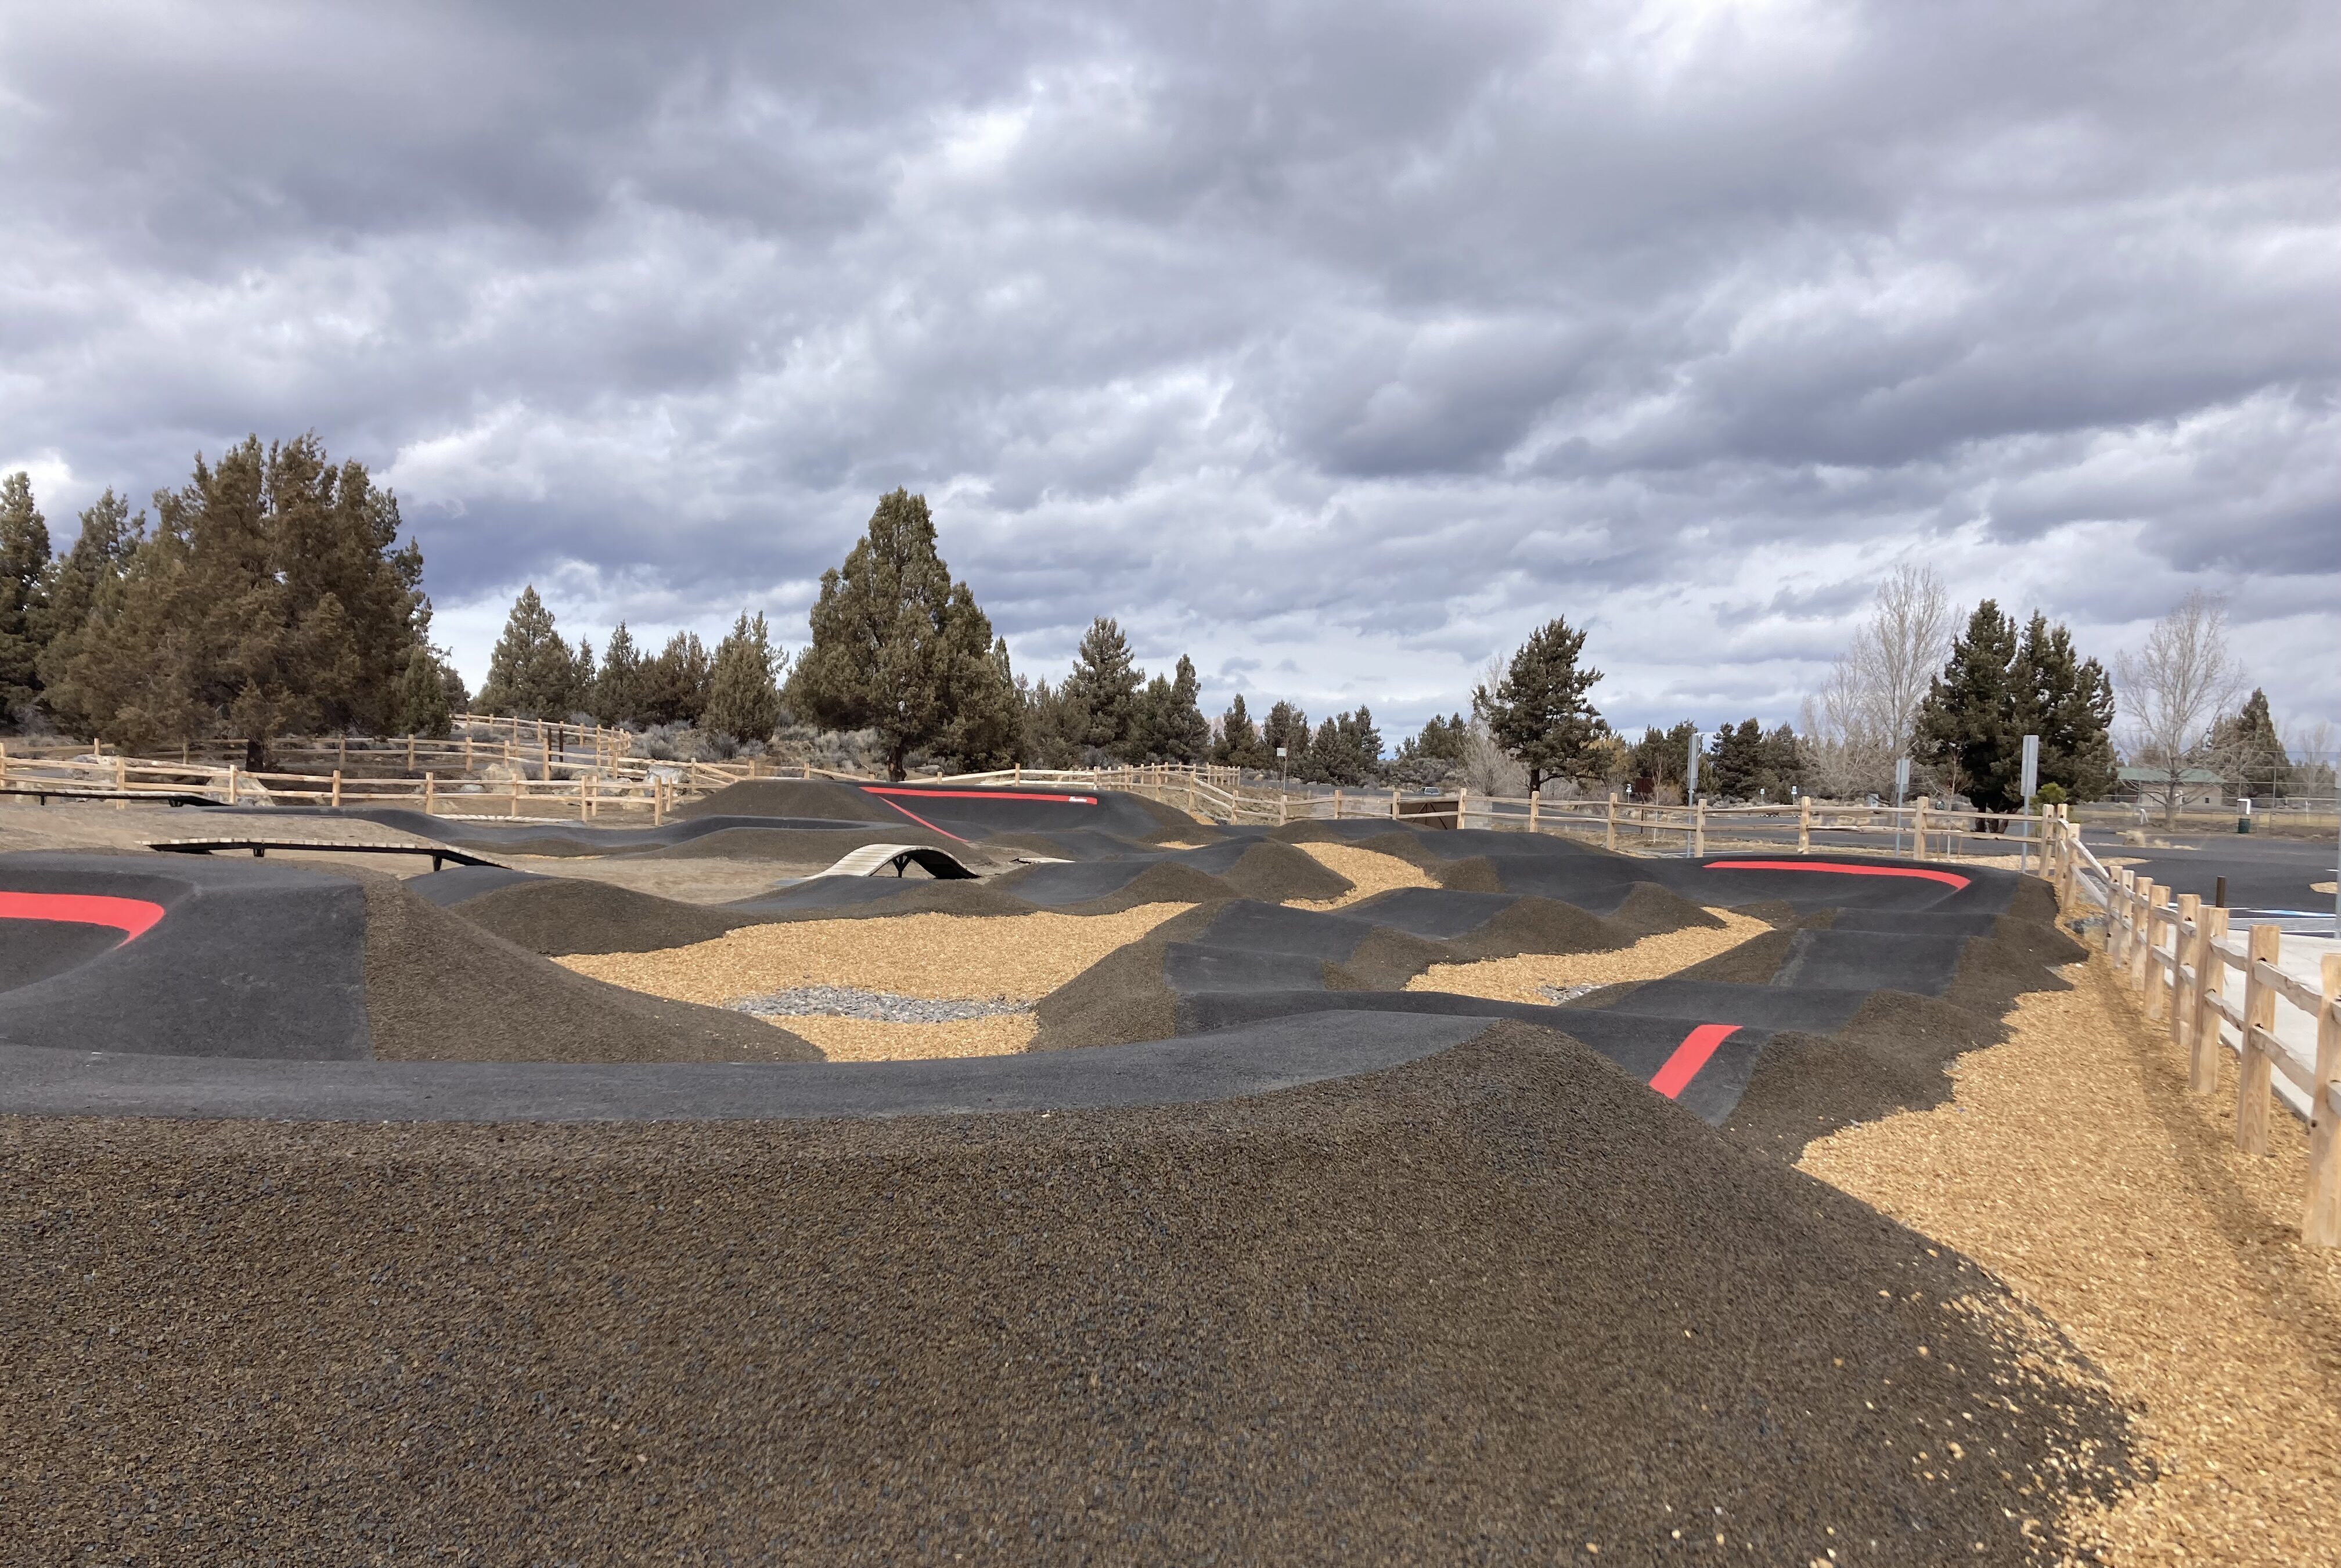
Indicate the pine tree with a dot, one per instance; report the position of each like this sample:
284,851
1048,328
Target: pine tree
1735,762
1239,743
1287,726
1966,724
532,674
2068,702
2248,749
23,571
1052,729
1537,713
354,596
743,697
618,687
76,582
986,725
1103,687
899,647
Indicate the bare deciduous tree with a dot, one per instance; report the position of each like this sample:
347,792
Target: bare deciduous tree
2173,688
1868,706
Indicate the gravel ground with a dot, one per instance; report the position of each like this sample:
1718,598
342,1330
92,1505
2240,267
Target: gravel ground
1531,976
1368,871
981,958
866,1041
872,1006
2073,1162
1440,1313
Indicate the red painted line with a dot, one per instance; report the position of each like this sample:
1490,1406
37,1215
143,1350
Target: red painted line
977,795
1953,877
1689,1056
921,821
131,916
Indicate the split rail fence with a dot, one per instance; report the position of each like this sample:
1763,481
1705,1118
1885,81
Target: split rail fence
2179,952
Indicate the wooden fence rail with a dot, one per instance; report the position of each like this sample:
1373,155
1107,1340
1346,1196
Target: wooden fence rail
2180,955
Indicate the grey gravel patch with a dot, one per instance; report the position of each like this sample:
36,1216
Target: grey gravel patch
876,1007
1558,994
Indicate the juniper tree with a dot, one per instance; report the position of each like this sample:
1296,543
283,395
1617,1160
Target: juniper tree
897,646
533,673
271,595
1538,713
674,682
24,572
2068,702
618,693
1287,726
1103,686
421,706
744,695
1239,743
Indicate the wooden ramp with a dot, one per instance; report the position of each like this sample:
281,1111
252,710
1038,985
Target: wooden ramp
873,858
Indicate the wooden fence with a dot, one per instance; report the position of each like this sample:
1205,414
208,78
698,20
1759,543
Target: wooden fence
2180,954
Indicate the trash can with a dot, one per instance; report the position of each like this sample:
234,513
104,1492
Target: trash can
2243,823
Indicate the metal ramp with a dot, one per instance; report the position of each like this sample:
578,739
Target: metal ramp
872,858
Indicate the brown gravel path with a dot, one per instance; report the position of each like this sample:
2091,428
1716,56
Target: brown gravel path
1522,978
2074,1162
1019,956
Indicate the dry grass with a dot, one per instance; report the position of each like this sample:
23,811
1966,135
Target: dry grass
1372,871
862,1040
2074,1162
2321,887
1018,957
1651,958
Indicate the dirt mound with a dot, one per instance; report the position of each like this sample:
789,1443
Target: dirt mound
441,989
1533,925
1385,960
1122,998
1274,873
556,917
798,845
1650,911
1502,1304
1171,822
1164,882
1472,874
823,798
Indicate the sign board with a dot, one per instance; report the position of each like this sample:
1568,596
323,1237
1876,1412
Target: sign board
1901,779
2031,785
1690,778
1279,751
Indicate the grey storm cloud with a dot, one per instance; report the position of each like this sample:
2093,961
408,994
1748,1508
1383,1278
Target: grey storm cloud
1338,345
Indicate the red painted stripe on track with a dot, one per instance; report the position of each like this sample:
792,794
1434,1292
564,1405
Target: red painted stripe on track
921,821
977,795
131,916
1689,1056
1953,877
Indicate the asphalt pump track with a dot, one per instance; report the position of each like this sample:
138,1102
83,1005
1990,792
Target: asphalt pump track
1256,1254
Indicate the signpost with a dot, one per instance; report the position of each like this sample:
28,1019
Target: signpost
2031,787
1901,787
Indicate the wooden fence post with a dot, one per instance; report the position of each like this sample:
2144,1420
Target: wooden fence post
1609,827
231,783
2255,1076
1918,830
2182,949
2320,1220
1463,807
1393,802
1337,802
585,798
341,755
430,793
1535,796
1804,824
467,754
410,753
337,789
2141,931
2159,982
2210,985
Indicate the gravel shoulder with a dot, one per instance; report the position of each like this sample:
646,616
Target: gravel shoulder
2073,1162
1525,978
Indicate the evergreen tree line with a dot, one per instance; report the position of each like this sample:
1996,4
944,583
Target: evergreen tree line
268,596
535,674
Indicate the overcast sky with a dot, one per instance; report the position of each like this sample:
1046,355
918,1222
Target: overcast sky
1336,345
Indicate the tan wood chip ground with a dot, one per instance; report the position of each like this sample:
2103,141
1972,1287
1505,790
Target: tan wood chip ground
1018,957
2073,1162
1651,958
863,1041
1372,871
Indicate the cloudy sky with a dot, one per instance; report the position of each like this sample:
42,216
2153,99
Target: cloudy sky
1336,345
